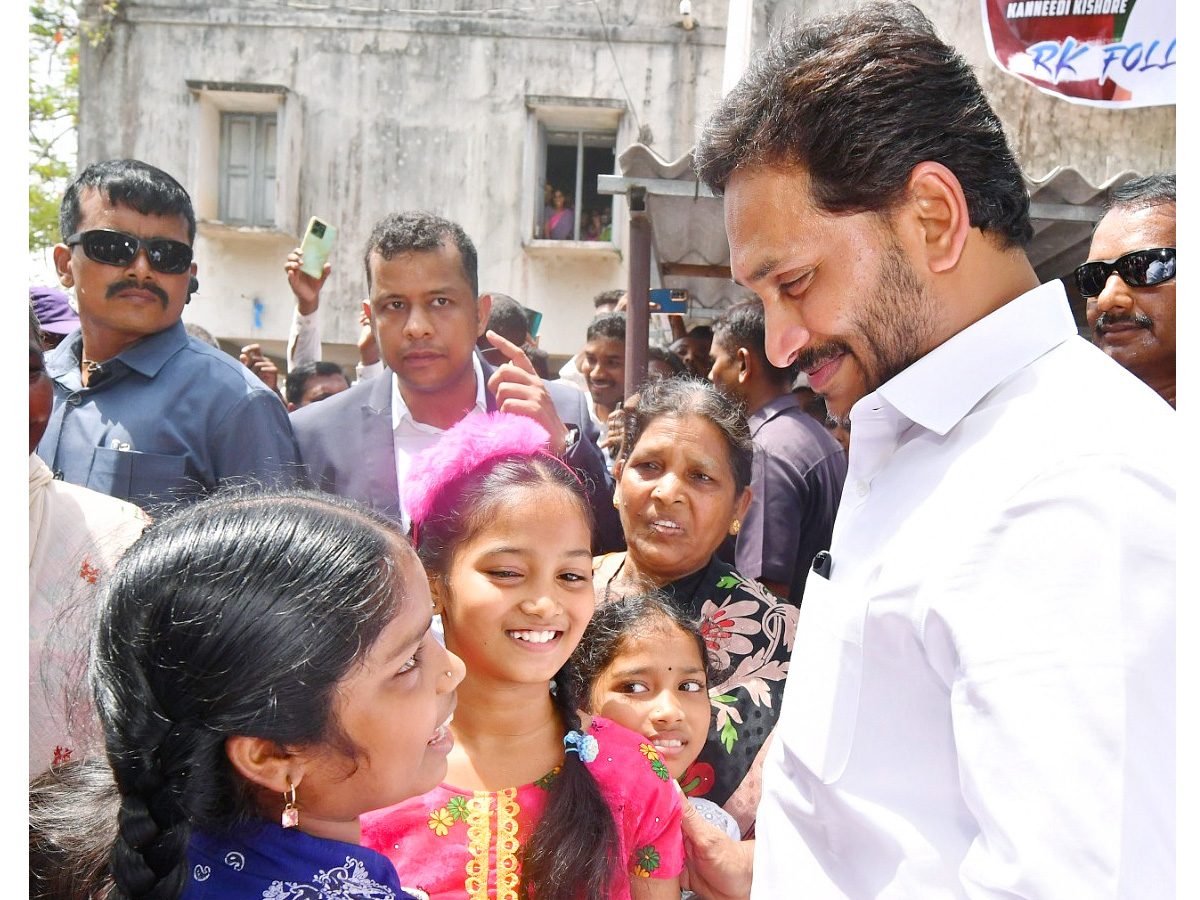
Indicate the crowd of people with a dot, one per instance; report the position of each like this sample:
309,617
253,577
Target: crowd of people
464,626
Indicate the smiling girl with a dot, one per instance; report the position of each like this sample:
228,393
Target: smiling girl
644,664
539,801
264,672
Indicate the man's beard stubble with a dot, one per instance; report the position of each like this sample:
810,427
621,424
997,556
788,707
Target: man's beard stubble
895,327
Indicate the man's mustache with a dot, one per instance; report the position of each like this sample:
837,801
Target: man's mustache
811,358
117,286
1106,320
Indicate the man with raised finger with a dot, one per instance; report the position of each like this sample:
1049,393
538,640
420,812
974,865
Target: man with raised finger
422,276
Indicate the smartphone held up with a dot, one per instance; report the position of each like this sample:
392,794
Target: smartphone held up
316,246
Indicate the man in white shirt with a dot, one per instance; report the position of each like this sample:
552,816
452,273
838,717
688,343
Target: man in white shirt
981,697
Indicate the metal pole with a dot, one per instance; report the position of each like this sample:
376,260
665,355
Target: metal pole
637,314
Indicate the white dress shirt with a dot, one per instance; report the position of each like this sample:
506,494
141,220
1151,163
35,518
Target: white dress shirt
981,698
304,346
411,437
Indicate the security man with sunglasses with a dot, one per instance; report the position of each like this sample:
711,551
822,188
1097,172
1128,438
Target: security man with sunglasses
1129,281
142,411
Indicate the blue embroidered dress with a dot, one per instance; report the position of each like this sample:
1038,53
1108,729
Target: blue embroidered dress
264,861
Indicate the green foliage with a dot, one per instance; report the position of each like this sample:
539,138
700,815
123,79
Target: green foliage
55,31
53,112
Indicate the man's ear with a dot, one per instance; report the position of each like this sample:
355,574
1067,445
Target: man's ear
935,215
483,309
745,361
62,265
265,763
366,304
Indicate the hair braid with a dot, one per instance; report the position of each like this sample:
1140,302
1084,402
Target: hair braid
574,848
149,857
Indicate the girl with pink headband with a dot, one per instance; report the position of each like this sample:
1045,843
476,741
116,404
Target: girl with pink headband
539,800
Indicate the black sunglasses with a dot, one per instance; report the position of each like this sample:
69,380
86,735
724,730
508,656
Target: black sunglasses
1141,268
116,248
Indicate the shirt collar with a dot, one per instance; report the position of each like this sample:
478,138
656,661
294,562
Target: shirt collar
401,412
945,384
771,409
146,357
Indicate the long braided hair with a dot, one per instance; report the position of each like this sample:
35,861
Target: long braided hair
237,616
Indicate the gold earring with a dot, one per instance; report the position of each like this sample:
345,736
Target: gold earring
616,501
291,815
736,526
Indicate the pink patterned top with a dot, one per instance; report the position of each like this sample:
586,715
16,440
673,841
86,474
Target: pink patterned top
451,844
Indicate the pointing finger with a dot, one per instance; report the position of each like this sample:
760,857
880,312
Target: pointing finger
514,353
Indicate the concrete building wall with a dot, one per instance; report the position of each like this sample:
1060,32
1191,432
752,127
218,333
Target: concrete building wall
382,111
428,108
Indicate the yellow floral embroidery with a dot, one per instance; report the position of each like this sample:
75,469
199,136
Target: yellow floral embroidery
479,841
440,821
479,836
648,751
507,846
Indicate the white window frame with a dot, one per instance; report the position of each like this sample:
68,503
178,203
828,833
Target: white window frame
581,115
210,101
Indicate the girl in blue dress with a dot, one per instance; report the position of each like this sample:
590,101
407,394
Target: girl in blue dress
264,672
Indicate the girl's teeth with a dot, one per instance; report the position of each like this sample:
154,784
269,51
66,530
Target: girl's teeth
534,637
669,744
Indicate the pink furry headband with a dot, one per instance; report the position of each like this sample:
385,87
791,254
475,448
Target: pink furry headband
464,448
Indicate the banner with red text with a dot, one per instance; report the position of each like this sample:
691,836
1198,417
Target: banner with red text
1116,53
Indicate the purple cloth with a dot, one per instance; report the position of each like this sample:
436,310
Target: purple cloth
562,229
53,311
799,470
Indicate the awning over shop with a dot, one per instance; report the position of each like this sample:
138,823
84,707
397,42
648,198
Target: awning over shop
687,229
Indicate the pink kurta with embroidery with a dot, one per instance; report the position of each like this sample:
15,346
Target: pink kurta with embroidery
456,844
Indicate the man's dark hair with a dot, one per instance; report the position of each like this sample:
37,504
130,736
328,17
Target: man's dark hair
858,99
507,318
201,333
132,183
540,360
606,297
297,378
419,231
609,325
669,358
1143,193
744,324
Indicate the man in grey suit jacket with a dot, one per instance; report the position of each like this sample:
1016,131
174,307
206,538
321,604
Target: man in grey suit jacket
422,272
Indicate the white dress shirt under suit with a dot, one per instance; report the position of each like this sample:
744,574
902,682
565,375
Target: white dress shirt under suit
981,702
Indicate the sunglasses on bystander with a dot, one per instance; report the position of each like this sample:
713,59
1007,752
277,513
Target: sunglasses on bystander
1141,268
116,248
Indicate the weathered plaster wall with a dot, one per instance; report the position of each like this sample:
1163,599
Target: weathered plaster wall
396,110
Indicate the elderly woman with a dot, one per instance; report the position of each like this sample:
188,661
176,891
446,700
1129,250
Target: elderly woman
682,486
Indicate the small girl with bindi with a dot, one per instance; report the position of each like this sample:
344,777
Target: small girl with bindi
644,664
540,800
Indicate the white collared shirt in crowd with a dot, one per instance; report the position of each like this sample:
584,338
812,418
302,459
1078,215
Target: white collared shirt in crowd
981,701
411,437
